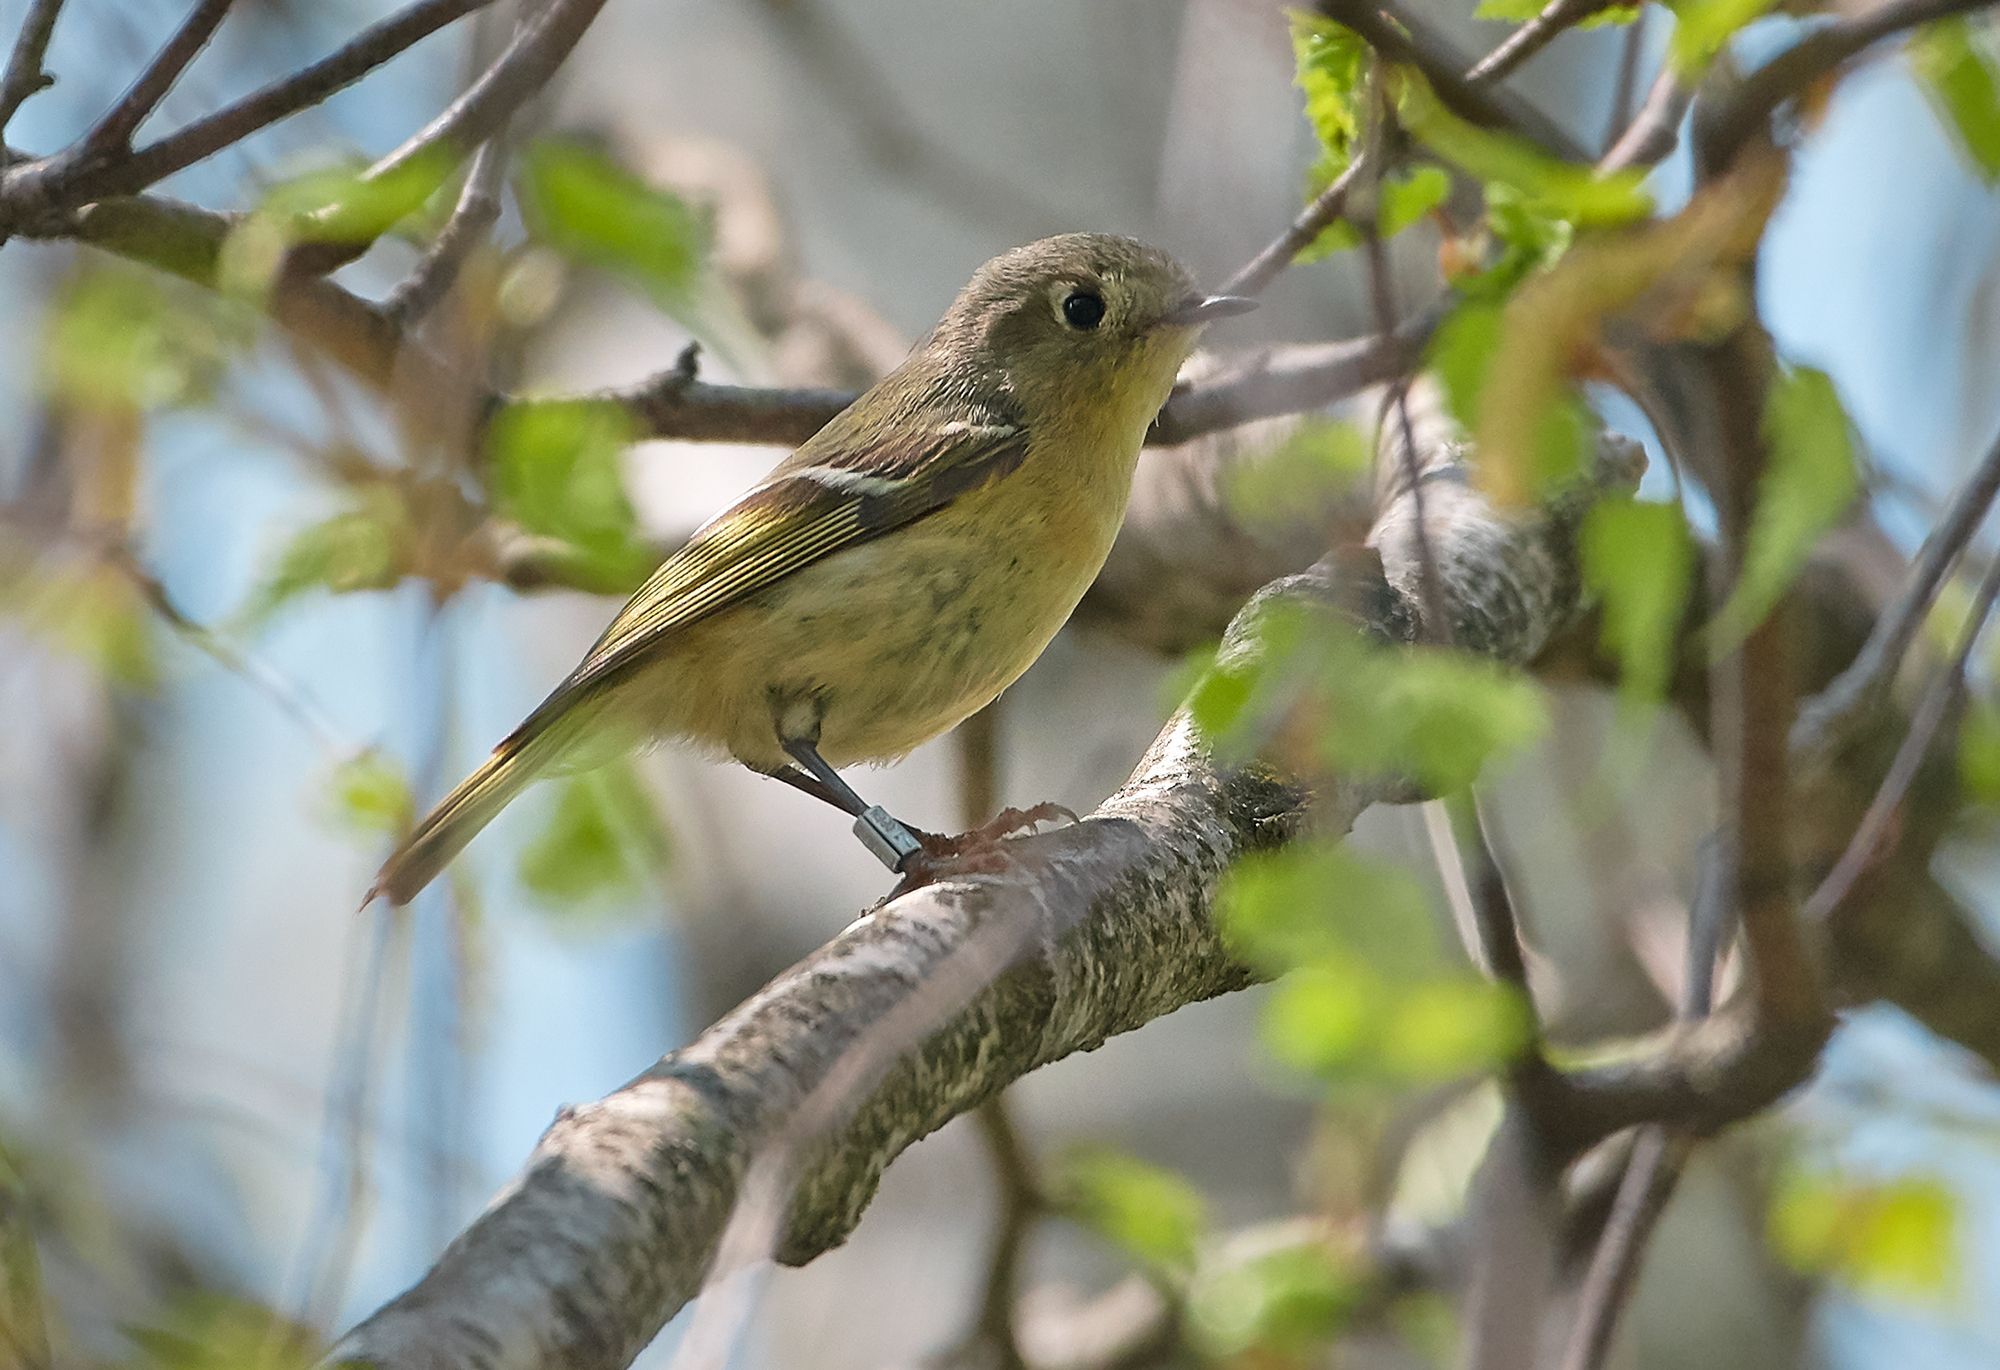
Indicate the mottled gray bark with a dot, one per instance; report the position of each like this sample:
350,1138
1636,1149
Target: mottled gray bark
1104,926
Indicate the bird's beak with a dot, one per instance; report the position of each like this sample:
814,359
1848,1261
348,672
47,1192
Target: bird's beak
1201,309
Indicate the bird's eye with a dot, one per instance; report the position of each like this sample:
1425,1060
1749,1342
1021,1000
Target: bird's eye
1083,309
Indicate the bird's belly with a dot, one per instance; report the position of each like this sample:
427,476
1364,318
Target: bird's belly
888,644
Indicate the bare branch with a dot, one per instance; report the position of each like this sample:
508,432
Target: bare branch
471,218
25,74
1531,37
113,133
1655,129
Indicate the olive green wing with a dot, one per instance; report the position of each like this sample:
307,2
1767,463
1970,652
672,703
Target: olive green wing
822,499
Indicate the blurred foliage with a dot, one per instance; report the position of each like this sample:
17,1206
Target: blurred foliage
1319,462
215,1331
336,204
1812,479
555,471
1152,1214
370,794
1953,59
1894,1239
1324,695
593,211
1367,996
94,611
1702,27
1979,751
1520,11
1273,1307
1638,561
121,339
367,546
605,839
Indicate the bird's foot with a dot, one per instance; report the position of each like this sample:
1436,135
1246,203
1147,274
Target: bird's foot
977,851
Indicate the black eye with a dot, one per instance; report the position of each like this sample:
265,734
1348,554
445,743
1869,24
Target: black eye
1083,309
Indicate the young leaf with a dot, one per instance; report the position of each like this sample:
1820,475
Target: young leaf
1959,75
556,472
370,795
1325,1020
1406,197
1436,716
603,839
1315,903
1896,1239
1979,752
1811,480
1702,27
1638,561
1564,189
593,211
1274,1307
1521,11
1150,1213
1452,1026
122,340
1331,62
366,547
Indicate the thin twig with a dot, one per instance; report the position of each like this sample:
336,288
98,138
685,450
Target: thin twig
1937,702
1531,37
25,74
373,47
113,133
1862,686
471,218
1626,81
1313,220
1655,129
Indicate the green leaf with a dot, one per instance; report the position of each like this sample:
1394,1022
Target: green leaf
593,211
1436,716
1812,479
1461,354
1319,462
1703,27
339,204
1520,11
1150,1213
556,472
1331,63
1979,751
1315,903
96,613
371,795
1283,1302
1564,189
604,840
1639,562
1324,1020
1896,1239
120,339
1453,1026
1405,198
1959,75
366,547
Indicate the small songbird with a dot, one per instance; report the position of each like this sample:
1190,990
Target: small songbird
897,572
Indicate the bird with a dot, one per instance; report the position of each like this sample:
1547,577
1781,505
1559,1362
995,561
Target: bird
899,569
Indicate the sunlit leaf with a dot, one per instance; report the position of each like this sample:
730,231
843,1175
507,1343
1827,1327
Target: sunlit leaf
1324,1020
1150,1213
1960,77
1702,27
604,839
337,204
366,547
1565,189
587,207
1810,482
369,794
1894,1239
1284,1302
1638,561
1433,715
556,472
1331,62
1461,354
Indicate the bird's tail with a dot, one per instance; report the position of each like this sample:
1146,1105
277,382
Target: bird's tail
524,757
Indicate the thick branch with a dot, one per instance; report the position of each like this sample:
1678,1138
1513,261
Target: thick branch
612,1226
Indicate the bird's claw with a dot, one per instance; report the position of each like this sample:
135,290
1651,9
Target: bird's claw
977,851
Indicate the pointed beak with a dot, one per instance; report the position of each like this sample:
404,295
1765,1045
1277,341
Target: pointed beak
1201,309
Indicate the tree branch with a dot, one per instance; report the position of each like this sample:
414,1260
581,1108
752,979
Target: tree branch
612,1226
113,133
25,74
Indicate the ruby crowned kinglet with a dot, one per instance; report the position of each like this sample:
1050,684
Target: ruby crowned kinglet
903,567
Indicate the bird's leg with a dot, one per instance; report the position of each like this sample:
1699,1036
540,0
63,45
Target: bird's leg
892,843
805,784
